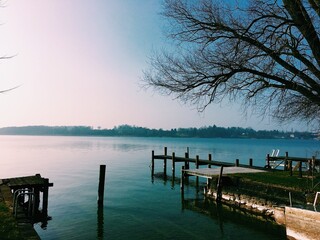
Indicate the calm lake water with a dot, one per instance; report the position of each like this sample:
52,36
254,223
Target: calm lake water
135,206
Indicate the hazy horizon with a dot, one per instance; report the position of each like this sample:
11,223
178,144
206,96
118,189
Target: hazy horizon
80,63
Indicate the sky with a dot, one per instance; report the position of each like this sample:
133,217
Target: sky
80,62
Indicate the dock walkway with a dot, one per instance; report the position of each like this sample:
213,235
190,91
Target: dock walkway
211,172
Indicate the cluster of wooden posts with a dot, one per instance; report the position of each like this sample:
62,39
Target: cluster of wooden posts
288,163
271,162
197,161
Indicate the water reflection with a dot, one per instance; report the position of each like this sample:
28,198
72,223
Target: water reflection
100,222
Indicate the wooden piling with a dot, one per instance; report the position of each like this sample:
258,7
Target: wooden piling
45,197
101,184
165,162
152,163
182,179
268,160
286,162
250,162
219,186
237,162
210,159
300,169
173,165
197,162
186,163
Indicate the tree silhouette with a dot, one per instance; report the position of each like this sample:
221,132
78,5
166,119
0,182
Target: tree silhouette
264,53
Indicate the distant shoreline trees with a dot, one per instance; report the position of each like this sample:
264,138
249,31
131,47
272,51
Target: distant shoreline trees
134,131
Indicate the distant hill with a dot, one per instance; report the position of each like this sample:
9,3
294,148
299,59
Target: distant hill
127,130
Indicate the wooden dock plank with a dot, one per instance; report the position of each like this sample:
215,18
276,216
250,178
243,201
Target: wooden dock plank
211,172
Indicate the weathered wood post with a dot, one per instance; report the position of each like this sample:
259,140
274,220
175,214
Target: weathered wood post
165,162
300,169
197,162
102,175
210,159
152,163
286,162
45,197
237,162
186,162
250,162
173,165
197,167
182,179
268,161
219,186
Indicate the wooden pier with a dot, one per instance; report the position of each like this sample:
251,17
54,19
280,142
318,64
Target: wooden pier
23,196
287,162
196,161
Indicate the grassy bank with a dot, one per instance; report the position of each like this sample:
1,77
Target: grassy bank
8,225
307,183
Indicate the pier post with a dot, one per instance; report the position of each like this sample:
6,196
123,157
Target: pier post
152,163
286,162
173,166
197,161
237,162
250,162
101,184
182,179
300,169
197,167
45,197
186,162
210,159
268,160
165,162
219,186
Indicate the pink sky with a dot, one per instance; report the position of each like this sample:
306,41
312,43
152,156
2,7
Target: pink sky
80,63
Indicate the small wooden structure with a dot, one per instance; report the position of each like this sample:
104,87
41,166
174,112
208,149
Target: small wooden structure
26,194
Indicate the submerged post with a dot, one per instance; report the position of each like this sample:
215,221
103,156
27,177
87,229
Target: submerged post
101,184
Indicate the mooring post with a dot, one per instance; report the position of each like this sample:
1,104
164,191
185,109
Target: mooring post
250,162
286,162
173,165
152,163
45,197
268,160
165,162
210,159
237,162
300,169
219,186
197,162
101,184
197,167
182,179
186,162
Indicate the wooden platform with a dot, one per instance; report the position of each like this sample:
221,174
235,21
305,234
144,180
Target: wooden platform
28,190
211,172
27,182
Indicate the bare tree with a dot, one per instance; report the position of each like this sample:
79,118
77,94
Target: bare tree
263,52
